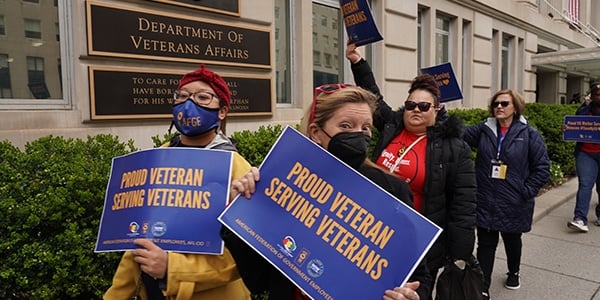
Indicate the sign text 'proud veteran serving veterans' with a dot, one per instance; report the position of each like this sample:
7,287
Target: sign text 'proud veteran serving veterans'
324,225
170,195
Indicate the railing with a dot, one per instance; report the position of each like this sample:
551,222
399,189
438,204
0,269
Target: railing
549,7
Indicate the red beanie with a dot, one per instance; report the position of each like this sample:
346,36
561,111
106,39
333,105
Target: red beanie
211,78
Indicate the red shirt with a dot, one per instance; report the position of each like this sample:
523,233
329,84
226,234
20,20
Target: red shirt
412,167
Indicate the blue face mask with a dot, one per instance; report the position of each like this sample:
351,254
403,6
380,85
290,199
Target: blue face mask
192,119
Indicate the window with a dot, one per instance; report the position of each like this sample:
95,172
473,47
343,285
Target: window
506,62
326,69
283,53
33,29
32,71
35,69
466,58
59,67
2,28
496,69
420,34
327,59
5,88
35,75
442,39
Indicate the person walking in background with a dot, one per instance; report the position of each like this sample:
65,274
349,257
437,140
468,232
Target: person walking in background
587,165
202,101
426,151
339,120
512,165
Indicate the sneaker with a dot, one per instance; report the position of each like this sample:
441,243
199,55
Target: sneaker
485,295
512,282
578,225
597,222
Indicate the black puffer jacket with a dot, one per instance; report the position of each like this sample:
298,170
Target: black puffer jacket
507,204
450,185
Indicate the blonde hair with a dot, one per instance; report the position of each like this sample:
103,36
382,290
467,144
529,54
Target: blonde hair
326,104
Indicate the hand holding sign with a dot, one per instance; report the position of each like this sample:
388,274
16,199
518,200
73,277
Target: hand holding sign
359,23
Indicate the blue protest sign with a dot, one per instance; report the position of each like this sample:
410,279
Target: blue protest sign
446,81
359,23
582,128
324,225
170,195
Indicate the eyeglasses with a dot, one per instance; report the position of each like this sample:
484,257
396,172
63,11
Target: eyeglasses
503,103
200,98
325,89
423,106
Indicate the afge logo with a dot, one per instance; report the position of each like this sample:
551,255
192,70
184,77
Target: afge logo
159,228
315,268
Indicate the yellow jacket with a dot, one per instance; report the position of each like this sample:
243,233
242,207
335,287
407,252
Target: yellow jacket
189,276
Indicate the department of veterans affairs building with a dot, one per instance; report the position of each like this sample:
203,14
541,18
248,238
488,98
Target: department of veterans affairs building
85,67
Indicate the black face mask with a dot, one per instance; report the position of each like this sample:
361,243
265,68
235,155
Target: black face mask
349,147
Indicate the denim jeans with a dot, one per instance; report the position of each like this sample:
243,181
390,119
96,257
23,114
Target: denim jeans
588,167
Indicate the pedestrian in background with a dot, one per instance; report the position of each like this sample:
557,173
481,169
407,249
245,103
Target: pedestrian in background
587,164
512,165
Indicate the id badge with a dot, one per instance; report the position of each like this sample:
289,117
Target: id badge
498,170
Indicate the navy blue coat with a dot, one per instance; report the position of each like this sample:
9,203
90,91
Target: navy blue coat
506,205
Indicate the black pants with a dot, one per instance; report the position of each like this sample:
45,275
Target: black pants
487,242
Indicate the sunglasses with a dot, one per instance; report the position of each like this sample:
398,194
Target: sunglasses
503,103
324,89
423,106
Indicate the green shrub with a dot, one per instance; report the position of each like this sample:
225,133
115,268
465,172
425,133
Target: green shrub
557,177
255,145
52,196
548,120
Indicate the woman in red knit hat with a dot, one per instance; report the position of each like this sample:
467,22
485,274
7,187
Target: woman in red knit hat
201,104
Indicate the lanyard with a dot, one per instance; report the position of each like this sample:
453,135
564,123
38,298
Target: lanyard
502,136
399,159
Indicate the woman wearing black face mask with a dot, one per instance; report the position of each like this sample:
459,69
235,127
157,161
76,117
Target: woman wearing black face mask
340,120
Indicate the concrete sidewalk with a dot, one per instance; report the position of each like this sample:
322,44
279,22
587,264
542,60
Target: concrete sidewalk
557,263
